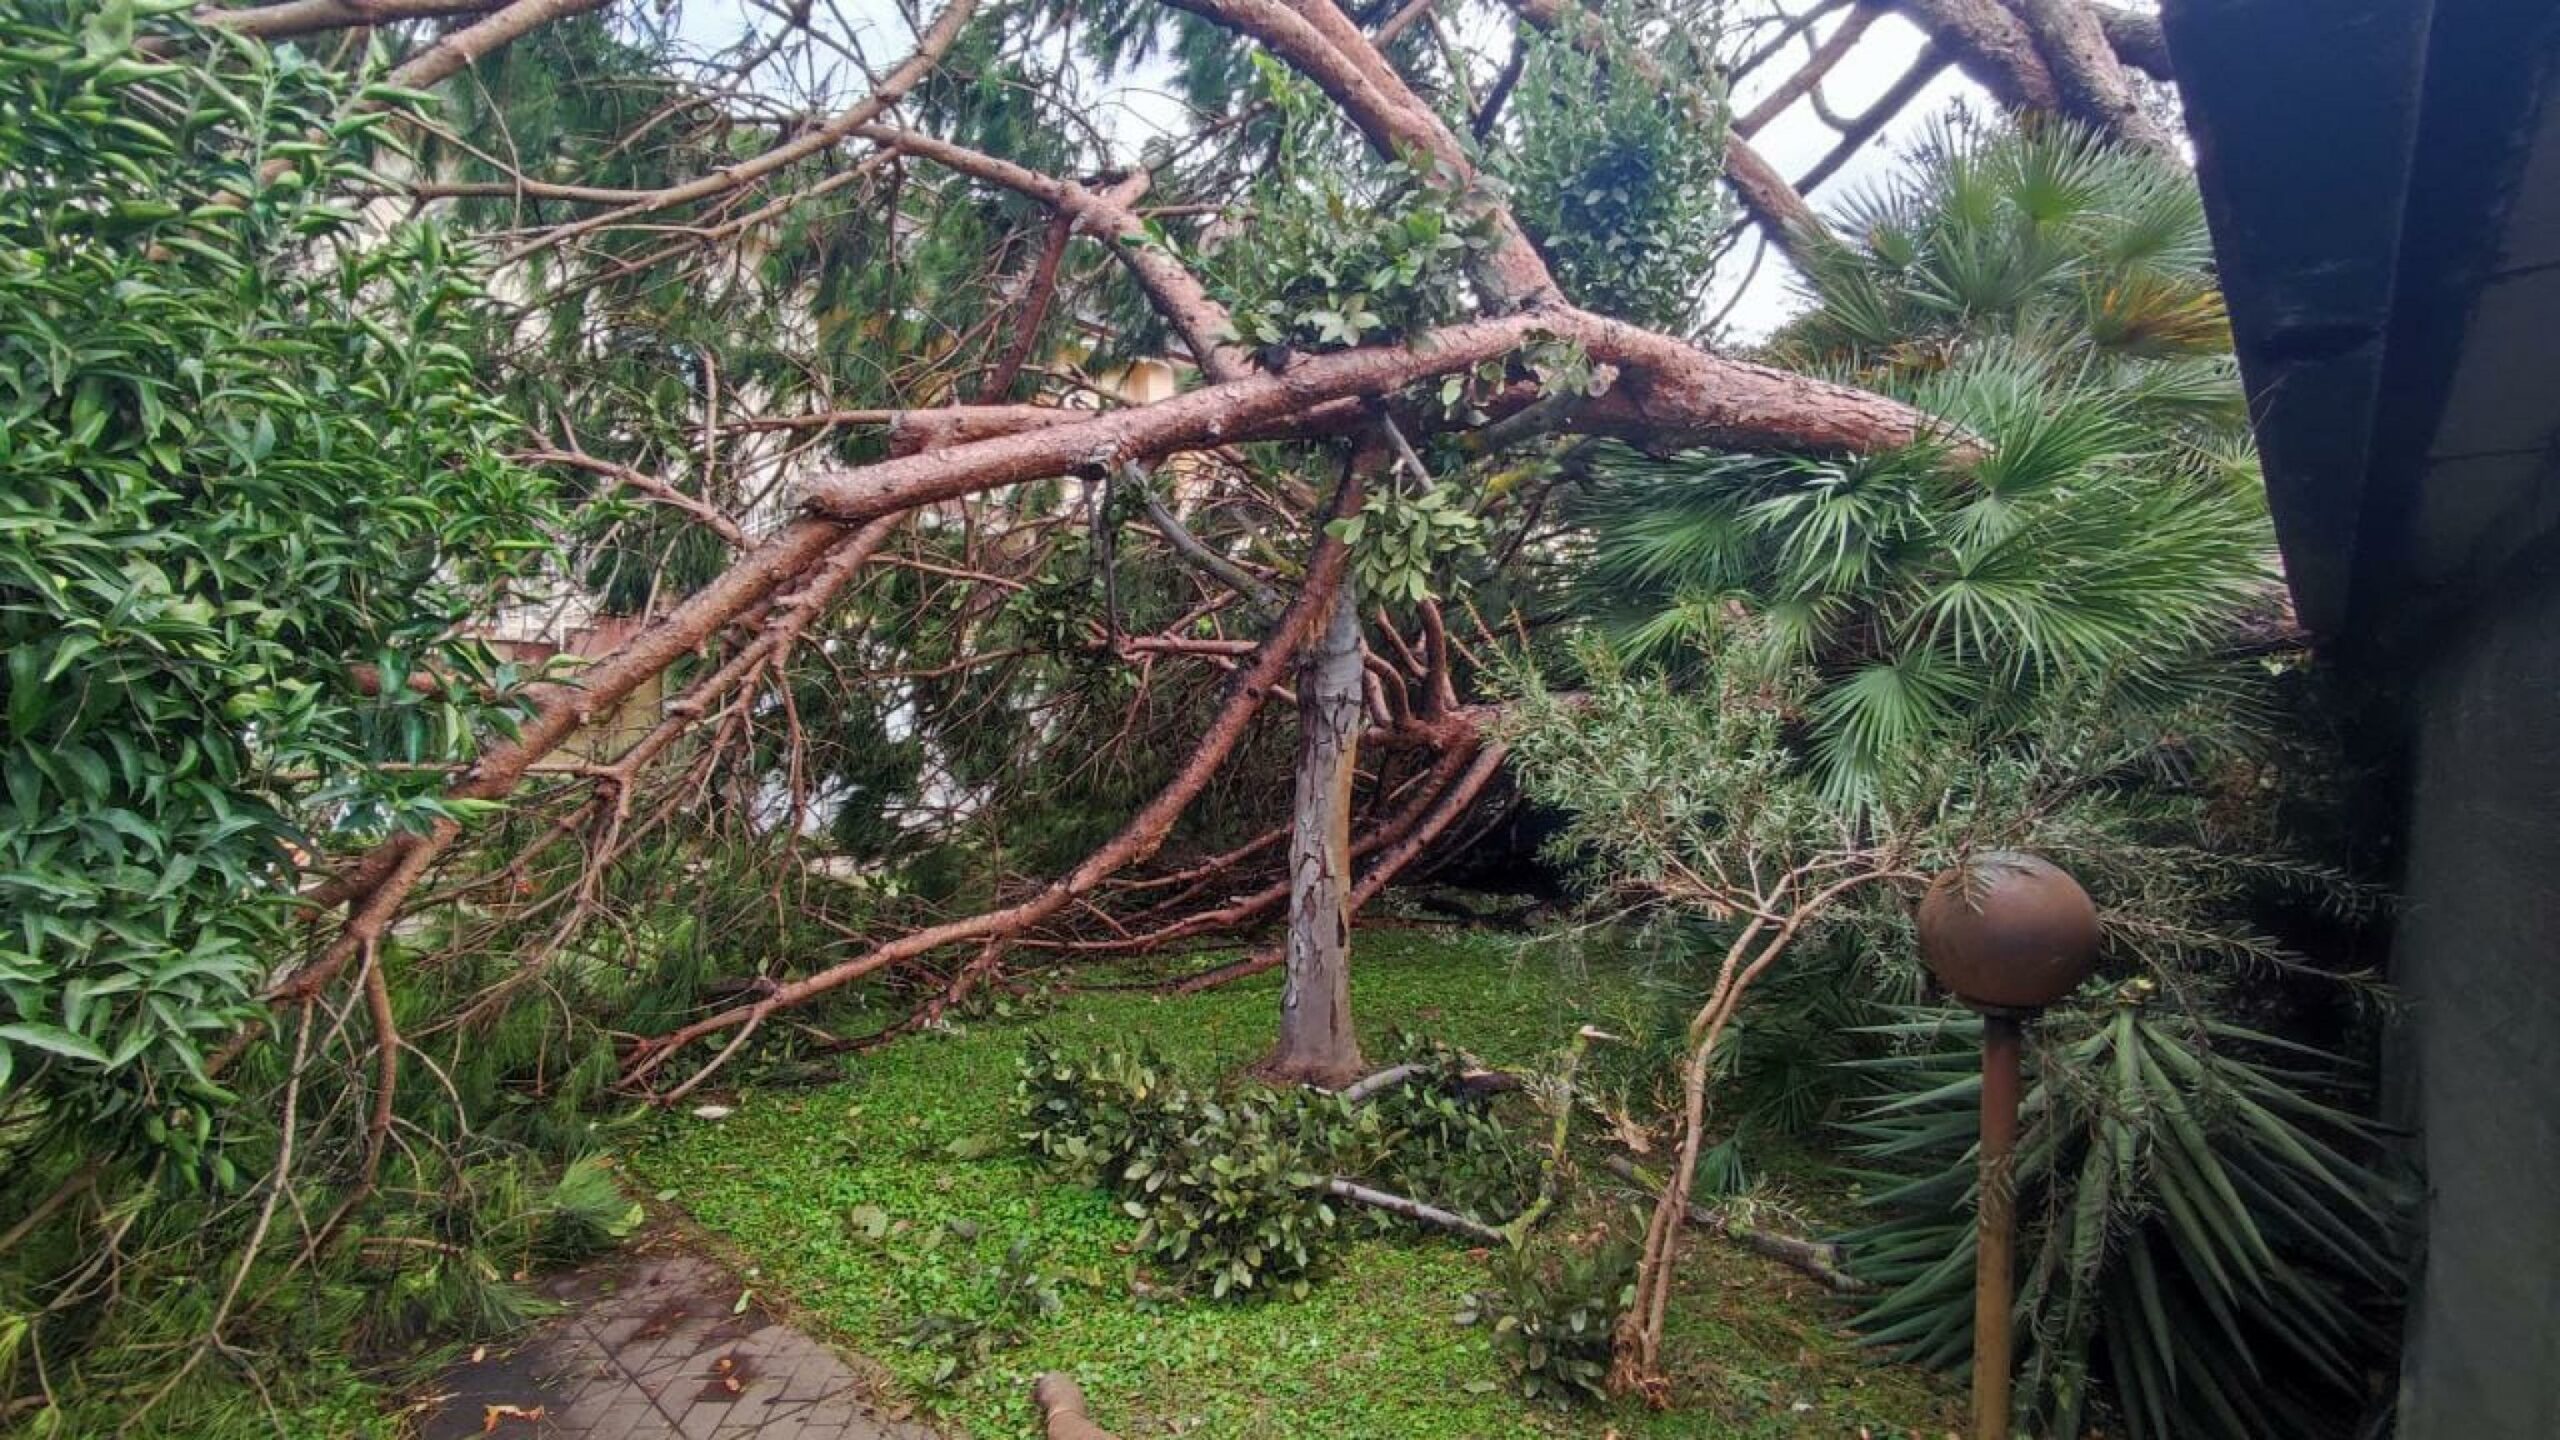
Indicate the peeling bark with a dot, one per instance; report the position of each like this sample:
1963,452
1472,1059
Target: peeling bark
1318,1045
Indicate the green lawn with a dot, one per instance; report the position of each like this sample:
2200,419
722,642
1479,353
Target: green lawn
1373,1352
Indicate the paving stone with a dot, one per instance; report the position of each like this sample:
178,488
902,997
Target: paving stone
638,1357
630,1418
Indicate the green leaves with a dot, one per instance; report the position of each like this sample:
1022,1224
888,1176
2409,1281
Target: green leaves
1014,1294
1231,1189
242,455
1230,1192
1336,258
1401,540
2104,539
1621,181
53,1039
1555,1315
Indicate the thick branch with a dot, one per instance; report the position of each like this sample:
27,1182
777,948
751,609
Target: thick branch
2092,81
308,17
2053,56
1995,48
1780,208
1137,839
1175,292
452,54
1321,43
1669,394
2137,39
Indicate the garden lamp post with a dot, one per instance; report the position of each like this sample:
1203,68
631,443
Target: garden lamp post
2009,934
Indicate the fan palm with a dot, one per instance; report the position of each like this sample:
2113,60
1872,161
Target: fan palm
2050,298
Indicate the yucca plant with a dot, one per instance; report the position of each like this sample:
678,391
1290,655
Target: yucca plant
2205,1222
2050,298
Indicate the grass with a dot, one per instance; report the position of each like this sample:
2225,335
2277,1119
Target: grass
790,1179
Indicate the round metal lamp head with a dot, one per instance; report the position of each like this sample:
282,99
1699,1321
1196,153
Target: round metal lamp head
2008,931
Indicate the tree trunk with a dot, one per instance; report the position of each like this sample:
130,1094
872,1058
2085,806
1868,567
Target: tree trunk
1317,1045
2090,77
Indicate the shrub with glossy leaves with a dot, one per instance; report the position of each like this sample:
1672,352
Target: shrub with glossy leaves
1230,1192
1337,258
1097,1116
1621,178
1554,1315
248,487
1231,1189
1445,1145
1238,1201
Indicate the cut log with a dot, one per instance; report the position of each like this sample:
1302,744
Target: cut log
1062,1413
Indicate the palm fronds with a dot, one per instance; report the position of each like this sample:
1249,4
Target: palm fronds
2203,1215
2051,299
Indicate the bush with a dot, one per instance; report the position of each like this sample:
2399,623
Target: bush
1231,1191
1555,1316
244,456
1094,1117
1238,1200
1444,1144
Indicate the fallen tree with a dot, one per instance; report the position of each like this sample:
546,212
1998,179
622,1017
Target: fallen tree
924,466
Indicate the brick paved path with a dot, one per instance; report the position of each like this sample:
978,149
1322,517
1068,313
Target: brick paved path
651,1351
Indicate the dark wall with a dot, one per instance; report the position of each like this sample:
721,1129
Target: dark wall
2478,961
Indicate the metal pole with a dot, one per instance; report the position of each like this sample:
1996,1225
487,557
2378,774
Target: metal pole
1993,1295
